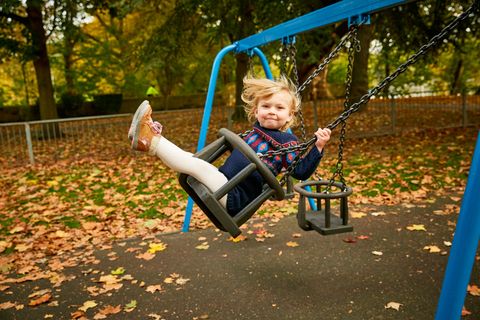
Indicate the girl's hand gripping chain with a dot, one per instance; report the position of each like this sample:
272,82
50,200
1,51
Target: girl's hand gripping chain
323,136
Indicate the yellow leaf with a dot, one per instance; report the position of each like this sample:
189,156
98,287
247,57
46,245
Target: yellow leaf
118,271
203,246
292,244
417,227
393,305
87,305
155,247
357,214
52,183
237,239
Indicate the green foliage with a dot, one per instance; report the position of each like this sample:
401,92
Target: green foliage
123,47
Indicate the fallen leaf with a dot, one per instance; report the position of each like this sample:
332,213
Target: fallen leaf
118,271
155,247
129,307
377,253
203,246
145,256
292,244
465,312
393,305
473,290
181,281
154,288
361,237
237,239
88,305
357,214
349,240
7,305
416,227
432,249
40,300
108,310
380,213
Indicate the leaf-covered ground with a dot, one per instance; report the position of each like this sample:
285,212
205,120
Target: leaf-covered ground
48,211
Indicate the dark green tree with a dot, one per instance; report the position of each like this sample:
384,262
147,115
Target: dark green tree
23,33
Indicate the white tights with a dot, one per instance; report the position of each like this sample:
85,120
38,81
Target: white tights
184,162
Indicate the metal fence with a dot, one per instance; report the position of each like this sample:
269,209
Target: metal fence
105,137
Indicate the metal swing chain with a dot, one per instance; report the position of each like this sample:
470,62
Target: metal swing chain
326,61
302,87
296,81
354,46
403,67
303,147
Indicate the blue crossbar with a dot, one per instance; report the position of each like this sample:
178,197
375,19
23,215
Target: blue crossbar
464,247
336,12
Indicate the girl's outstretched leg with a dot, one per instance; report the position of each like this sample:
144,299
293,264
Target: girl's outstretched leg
146,136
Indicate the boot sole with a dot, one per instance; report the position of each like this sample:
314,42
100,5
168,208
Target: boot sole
141,111
136,117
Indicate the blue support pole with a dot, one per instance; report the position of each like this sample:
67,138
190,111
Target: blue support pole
464,247
206,120
208,110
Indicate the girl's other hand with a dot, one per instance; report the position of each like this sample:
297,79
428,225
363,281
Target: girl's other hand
323,135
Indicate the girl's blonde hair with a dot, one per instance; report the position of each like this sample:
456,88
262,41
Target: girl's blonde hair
256,89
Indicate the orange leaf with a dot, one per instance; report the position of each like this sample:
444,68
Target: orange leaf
473,290
40,300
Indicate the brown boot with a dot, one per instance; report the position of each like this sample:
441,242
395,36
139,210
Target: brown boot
144,129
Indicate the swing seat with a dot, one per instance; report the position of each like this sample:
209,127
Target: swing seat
322,220
209,202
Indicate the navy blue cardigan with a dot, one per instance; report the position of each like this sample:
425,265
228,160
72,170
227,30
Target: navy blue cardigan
262,140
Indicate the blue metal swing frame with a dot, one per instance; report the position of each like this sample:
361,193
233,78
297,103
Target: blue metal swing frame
351,10
467,235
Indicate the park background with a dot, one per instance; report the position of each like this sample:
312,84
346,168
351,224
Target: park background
73,72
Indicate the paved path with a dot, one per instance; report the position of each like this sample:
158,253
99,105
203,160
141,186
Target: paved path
321,278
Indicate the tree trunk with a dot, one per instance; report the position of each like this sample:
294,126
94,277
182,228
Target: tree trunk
48,109
360,65
456,85
70,35
240,72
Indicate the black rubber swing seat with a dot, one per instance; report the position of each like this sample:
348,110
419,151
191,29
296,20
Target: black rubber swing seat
322,220
209,202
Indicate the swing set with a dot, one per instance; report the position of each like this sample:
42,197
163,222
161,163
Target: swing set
320,217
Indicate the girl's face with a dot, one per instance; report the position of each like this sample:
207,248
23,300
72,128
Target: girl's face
274,111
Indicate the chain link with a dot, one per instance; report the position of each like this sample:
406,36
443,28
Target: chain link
326,61
354,46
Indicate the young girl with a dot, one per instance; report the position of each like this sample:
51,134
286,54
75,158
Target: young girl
272,106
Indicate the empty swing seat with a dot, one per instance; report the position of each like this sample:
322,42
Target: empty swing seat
209,202
322,220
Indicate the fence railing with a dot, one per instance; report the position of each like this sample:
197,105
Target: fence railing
105,137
